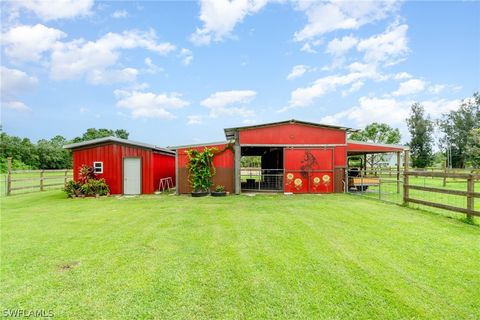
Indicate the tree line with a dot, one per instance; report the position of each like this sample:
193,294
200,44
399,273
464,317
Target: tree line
46,154
456,133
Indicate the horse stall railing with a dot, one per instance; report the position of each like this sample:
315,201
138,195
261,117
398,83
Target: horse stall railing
459,197
257,179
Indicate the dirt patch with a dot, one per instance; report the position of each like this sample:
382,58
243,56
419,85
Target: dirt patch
69,266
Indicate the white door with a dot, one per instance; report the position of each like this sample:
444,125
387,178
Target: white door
132,172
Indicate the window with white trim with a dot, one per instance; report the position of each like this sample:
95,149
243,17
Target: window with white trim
98,167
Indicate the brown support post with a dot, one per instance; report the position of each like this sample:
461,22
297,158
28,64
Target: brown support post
406,160
41,180
9,176
365,164
445,176
398,172
470,197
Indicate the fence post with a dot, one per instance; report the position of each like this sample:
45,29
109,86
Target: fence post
445,176
470,198
66,176
398,172
9,176
405,176
41,180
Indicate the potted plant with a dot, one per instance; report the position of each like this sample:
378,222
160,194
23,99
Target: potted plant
219,191
200,170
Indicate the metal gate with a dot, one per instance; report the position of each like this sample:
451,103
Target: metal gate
308,170
377,184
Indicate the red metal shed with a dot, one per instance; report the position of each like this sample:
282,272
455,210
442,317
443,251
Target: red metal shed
296,156
129,167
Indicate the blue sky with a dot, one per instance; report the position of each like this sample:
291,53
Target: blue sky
179,72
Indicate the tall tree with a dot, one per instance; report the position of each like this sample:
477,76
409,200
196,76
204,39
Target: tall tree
93,133
377,133
421,131
52,155
456,127
473,148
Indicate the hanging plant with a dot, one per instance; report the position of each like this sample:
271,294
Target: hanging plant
200,170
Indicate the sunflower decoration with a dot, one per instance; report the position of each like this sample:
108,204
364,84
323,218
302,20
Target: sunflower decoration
316,181
326,179
289,177
298,183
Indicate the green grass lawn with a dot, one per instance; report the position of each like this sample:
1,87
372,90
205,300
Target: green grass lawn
269,256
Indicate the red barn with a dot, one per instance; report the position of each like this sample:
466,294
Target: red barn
128,167
295,156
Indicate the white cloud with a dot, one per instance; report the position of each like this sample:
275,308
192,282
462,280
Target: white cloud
353,88
297,71
338,47
435,108
220,17
402,76
148,104
408,87
436,89
15,105
389,111
308,48
77,58
27,43
302,97
386,47
229,103
118,14
328,16
54,10
186,55
152,68
12,83
370,110
195,119
110,76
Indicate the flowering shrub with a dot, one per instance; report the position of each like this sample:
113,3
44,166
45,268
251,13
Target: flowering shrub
87,186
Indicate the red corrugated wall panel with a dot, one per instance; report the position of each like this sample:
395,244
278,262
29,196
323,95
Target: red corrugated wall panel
163,167
292,134
340,156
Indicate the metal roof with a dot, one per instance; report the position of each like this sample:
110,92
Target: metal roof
117,140
230,132
200,145
386,145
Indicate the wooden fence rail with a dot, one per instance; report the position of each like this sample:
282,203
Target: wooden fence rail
470,193
36,179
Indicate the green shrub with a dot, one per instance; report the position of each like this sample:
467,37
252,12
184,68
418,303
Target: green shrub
219,188
72,188
95,187
87,186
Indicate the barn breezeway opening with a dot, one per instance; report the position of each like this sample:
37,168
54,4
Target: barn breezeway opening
261,169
